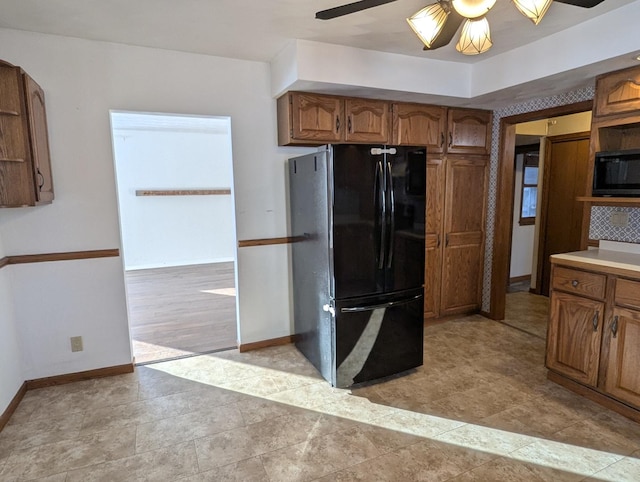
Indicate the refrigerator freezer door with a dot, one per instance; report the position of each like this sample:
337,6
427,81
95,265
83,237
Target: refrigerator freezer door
359,205
406,190
378,336
310,220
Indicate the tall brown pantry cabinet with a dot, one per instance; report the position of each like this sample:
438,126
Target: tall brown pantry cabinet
458,144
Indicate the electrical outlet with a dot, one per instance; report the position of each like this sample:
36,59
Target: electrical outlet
76,343
619,219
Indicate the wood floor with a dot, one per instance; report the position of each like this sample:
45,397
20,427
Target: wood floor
181,310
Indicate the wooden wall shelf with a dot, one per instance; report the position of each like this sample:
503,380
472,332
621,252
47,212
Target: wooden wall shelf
184,192
611,201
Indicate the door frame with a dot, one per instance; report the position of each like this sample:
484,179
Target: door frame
504,199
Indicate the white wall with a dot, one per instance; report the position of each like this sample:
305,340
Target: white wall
523,236
11,373
174,230
82,81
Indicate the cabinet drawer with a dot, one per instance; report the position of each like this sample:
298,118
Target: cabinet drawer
627,293
579,282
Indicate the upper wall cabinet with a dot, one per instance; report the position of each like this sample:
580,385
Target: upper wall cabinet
25,166
618,92
306,119
419,125
469,131
309,119
315,119
367,121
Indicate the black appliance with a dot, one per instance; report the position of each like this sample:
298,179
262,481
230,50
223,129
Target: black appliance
617,173
357,215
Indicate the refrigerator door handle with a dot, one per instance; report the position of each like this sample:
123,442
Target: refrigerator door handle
380,186
392,204
356,309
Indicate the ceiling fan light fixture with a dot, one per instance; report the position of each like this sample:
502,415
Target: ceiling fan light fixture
534,10
475,37
428,22
472,8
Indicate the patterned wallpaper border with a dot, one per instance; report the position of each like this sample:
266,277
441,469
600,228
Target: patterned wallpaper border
600,226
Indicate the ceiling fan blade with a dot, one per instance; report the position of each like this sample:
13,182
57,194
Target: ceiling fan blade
451,26
581,3
349,8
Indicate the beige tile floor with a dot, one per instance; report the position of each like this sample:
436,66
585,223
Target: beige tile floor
480,409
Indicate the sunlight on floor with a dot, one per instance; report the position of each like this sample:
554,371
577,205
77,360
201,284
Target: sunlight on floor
221,291
310,393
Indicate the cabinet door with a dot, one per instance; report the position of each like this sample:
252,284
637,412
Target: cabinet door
464,215
39,141
419,125
367,121
618,92
623,373
316,117
16,180
433,238
469,131
573,337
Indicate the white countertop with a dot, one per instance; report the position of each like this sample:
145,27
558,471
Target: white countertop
627,260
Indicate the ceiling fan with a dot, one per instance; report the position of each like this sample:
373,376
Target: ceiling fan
436,24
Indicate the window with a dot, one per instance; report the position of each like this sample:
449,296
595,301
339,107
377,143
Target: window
529,193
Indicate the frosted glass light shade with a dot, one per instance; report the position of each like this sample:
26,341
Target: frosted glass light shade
428,22
473,8
533,9
475,37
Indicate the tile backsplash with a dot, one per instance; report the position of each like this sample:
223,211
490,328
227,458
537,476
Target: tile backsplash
602,228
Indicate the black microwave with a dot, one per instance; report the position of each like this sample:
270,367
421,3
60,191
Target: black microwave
617,173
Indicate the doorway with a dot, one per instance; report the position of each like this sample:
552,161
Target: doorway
566,171
177,223
505,198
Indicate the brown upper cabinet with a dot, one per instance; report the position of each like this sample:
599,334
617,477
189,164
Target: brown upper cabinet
316,119
618,92
419,125
367,121
25,165
469,131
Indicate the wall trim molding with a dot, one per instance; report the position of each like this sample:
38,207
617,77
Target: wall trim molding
256,345
79,376
267,241
13,405
67,256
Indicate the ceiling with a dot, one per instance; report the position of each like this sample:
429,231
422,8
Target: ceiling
259,29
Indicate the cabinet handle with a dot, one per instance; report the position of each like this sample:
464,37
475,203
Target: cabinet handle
446,240
441,139
349,125
40,179
574,283
596,315
614,326
337,124
438,244
450,139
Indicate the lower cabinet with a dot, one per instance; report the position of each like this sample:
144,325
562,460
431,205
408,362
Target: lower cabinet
574,336
593,336
623,367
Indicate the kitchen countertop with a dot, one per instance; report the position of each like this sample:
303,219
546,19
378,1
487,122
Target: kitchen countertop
611,261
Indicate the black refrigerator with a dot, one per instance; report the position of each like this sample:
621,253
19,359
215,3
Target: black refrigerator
357,218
